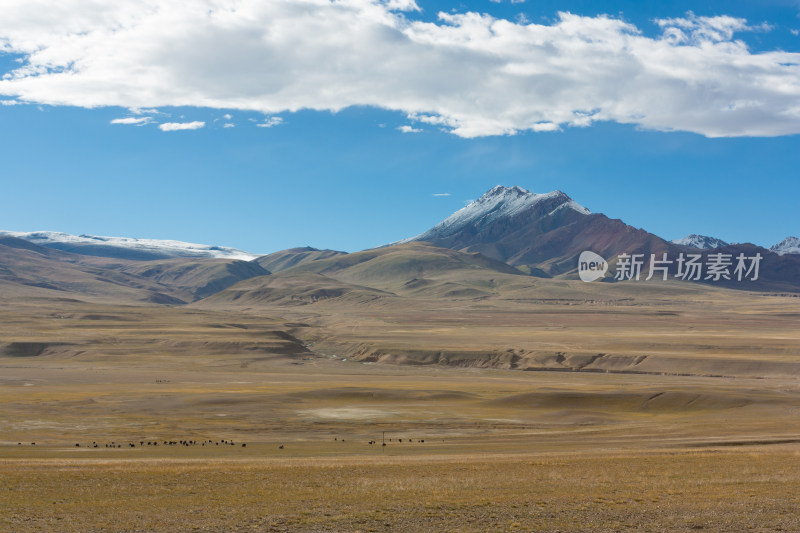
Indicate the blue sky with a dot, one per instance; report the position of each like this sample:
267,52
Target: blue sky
687,125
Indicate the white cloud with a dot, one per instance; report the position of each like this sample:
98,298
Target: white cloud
550,126
441,194
705,29
137,121
468,73
179,126
150,111
405,128
270,122
228,125
10,102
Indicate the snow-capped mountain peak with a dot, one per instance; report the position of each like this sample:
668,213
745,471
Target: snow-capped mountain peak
702,242
146,248
789,245
500,190
500,202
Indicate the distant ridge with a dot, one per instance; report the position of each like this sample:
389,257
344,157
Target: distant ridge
127,247
789,245
702,242
285,259
410,269
28,270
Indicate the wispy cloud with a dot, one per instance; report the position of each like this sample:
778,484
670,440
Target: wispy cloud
694,29
270,122
136,121
229,125
179,126
441,194
145,111
405,128
500,76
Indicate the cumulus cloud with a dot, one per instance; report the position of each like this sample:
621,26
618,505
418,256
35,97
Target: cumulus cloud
179,126
469,73
135,121
405,128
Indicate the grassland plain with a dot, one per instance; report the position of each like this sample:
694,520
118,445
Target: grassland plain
686,440
714,490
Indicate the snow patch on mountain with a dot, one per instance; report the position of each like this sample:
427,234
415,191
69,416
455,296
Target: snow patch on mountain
702,242
789,245
157,246
572,204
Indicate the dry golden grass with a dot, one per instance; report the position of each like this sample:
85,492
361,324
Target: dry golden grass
504,449
658,491
670,328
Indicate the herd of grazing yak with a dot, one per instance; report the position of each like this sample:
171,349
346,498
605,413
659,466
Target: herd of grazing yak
207,442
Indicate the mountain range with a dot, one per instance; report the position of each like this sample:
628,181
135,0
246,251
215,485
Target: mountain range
495,224
789,245
499,224
492,245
